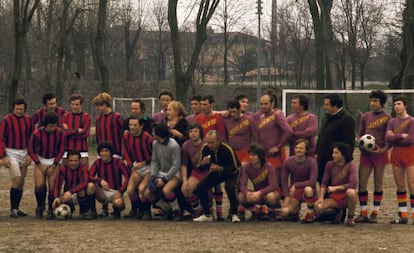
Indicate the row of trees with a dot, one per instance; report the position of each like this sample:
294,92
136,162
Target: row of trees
315,43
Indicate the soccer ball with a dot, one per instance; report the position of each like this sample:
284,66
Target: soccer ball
367,142
63,212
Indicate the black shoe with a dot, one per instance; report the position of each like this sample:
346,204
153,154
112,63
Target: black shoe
168,215
104,213
14,214
81,216
91,216
39,212
177,215
139,215
242,215
146,216
21,213
50,215
254,217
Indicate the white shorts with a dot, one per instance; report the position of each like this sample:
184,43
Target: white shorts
17,159
83,154
46,161
108,195
144,170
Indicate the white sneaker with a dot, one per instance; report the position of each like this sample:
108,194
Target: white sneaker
235,218
204,218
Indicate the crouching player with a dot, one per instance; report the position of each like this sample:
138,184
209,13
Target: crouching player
303,172
137,152
106,175
340,182
165,173
263,177
74,178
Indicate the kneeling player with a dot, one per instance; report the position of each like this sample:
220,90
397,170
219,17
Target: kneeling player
303,172
106,175
263,177
340,182
75,177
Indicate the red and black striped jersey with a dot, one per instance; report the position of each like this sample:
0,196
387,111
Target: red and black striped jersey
47,145
77,131
39,116
109,128
137,148
15,131
111,172
2,150
72,180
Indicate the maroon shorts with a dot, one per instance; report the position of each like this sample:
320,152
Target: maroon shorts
402,157
368,160
199,175
340,199
300,194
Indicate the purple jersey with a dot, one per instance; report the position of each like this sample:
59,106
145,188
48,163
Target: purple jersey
274,131
159,117
374,123
263,179
191,118
304,127
190,154
398,127
339,175
241,132
301,174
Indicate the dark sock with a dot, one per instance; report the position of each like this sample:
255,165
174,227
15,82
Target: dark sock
14,198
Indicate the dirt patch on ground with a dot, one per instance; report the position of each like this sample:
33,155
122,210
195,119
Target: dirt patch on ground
32,235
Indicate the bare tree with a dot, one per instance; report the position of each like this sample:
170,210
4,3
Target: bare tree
23,13
99,45
183,79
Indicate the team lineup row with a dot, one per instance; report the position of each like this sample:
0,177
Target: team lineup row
177,162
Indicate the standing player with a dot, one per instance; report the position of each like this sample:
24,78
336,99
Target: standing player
109,178
303,123
137,109
195,106
337,126
15,131
165,172
374,123
339,182
77,125
221,161
50,105
73,178
165,97
108,123
400,134
244,104
137,152
263,177
302,170
46,147
190,173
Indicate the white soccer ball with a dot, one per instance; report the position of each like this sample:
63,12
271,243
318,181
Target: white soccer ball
367,142
63,212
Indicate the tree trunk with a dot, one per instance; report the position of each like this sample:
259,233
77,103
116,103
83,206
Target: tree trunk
129,50
99,45
407,54
319,45
61,50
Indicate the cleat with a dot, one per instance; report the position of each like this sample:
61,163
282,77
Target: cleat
399,220
242,215
39,212
139,215
81,216
104,213
338,217
146,216
373,218
168,215
350,222
14,213
361,219
254,217
50,215
235,218
310,217
91,216
21,213
204,218
177,215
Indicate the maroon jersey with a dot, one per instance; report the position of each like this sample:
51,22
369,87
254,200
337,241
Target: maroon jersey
303,127
137,148
212,122
398,127
109,128
263,179
241,132
15,131
190,154
77,139
47,145
39,116
345,175
375,123
72,180
301,174
159,117
111,172
273,130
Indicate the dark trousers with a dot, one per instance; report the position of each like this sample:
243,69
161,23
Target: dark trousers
212,179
